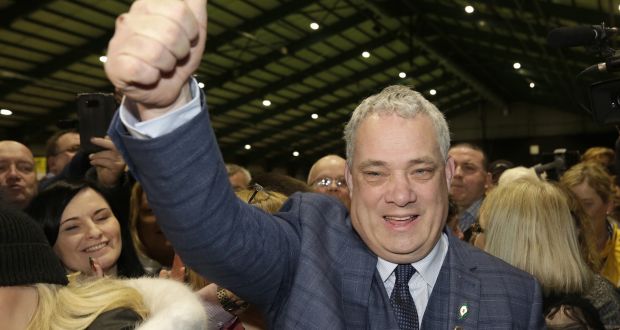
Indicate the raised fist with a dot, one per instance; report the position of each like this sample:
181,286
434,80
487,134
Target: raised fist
157,45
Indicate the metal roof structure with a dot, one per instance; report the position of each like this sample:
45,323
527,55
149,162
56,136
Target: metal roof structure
313,78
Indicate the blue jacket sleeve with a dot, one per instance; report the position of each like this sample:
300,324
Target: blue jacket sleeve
227,241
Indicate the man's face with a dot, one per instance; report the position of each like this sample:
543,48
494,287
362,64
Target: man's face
470,176
238,181
327,177
399,187
18,181
66,147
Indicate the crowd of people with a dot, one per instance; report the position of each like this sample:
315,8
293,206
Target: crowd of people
407,231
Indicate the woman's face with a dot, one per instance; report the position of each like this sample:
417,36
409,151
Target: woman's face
592,203
88,228
151,236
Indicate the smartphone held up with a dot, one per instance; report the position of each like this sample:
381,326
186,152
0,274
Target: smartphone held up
95,112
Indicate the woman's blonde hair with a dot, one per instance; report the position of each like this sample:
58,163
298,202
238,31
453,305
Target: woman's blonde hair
77,305
269,201
528,224
594,174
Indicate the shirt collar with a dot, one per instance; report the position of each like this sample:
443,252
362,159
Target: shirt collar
428,267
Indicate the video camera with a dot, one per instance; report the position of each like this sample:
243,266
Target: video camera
556,163
600,82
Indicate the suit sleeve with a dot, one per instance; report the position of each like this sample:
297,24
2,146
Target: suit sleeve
229,242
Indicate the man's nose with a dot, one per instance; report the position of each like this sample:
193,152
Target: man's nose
13,172
400,190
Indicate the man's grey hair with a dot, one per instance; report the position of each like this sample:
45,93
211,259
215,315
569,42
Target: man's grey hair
404,102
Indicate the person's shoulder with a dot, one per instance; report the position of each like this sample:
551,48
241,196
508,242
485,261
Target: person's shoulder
310,200
315,209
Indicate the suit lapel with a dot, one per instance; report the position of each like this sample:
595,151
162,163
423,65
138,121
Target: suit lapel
362,287
455,299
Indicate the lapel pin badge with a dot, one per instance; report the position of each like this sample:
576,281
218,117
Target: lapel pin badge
463,310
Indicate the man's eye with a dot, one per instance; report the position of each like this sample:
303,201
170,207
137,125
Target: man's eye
27,168
424,173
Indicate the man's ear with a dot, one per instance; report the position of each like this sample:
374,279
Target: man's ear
348,177
450,167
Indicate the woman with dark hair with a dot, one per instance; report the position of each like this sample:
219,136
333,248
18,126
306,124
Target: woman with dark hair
83,231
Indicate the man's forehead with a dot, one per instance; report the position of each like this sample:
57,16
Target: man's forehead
15,150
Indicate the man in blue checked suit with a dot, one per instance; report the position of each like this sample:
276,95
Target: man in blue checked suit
388,264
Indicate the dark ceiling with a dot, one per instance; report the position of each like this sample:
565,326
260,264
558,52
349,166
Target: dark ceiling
266,50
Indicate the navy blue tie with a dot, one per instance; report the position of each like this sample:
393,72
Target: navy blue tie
402,302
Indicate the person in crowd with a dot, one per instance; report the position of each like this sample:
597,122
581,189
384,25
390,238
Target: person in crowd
453,221
528,223
497,167
82,229
469,183
238,176
35,293
60,149
18,179
593,186
602,155
154,250
326,176
313,265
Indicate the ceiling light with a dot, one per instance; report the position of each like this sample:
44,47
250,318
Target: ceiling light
432,92
6,112
247,147
296,153
266,103
314,116
402,75
314,25
201,85
103,58
516,65
469,9
532,85
365,54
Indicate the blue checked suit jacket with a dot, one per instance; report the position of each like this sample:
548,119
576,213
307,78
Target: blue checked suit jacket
305,267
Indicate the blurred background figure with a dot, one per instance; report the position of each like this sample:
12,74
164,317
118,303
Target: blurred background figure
60,149
602,155
469,183
497,167
239,176
528,223
151,245
593,187
18,179
326,176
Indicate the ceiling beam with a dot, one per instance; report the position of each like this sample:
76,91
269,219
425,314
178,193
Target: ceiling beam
295,46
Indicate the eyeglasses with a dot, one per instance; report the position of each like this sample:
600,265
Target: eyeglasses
256,188
327,181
